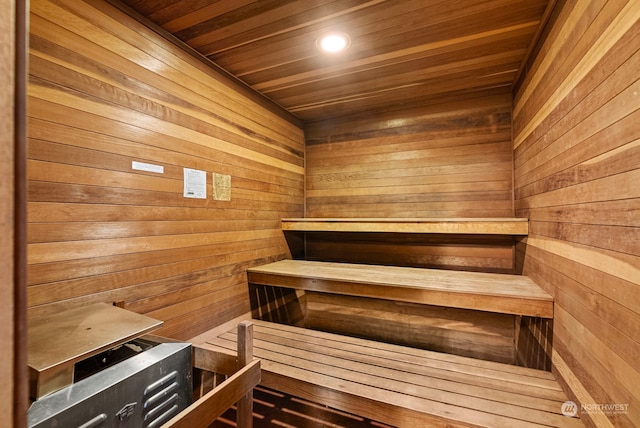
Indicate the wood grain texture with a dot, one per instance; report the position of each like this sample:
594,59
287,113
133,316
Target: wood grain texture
58,341
576,173
214,403
468,226
534,342
8,310
105,91
442,160
455,252
476,334
449,159
399,385
239,374
14,399
408,52
508,294
7,251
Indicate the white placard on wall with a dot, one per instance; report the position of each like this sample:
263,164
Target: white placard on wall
195,183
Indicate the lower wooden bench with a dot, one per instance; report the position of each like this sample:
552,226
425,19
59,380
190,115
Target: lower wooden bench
398,385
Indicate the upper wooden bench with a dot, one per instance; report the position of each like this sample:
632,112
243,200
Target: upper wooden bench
467,226
508,294
397,385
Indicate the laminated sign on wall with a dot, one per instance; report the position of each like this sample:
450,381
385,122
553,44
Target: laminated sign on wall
195,183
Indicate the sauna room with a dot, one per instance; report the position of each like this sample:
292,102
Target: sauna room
214,216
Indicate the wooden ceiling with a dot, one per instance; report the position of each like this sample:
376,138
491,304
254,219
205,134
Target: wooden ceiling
402,52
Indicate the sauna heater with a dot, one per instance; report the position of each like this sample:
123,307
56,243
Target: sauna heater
138,384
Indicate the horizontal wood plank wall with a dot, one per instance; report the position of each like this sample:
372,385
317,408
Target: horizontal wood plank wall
577,158
106,90
476,334
450,159
460,252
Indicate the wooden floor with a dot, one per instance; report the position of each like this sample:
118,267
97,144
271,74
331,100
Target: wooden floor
398,385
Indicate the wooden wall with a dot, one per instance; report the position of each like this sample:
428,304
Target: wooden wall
105,91
13,367
476,334
577,158
7,201
448,159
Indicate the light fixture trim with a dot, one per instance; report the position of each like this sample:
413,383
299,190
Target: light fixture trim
333,42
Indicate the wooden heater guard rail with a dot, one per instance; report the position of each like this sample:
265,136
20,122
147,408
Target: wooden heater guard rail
243,375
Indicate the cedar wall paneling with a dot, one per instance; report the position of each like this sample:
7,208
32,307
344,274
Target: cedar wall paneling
448,159
7,201
577,158
469,333
105,91
12,400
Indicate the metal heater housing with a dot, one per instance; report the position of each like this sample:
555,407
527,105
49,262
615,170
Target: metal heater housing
143,391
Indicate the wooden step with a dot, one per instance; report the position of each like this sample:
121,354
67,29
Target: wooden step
469,226
398,385
502,293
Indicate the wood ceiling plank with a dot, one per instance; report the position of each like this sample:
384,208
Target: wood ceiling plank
381,33
400,52
270,72
219,34
183,14
437,85
397,76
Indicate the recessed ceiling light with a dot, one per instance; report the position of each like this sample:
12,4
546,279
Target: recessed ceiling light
333,42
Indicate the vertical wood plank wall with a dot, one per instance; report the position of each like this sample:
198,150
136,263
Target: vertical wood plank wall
577,158
448,159
105,91
7,202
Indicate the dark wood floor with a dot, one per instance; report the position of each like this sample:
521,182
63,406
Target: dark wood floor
275,409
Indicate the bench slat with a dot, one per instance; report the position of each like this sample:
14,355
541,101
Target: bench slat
467,226
456,389
509,294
